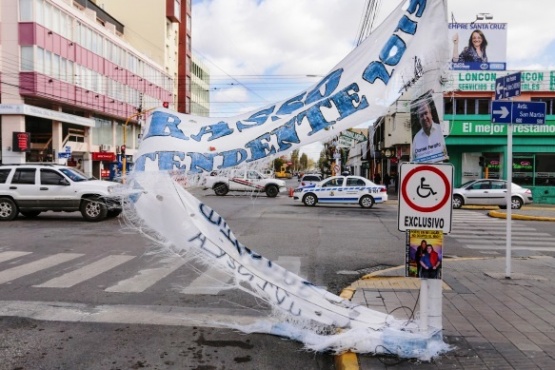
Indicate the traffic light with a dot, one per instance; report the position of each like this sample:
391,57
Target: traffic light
166,104
122,150
482,162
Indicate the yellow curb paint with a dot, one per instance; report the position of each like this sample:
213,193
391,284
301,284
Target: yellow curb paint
520,217
347,293
346,361
392,283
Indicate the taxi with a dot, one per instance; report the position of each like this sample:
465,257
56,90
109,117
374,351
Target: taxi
342,190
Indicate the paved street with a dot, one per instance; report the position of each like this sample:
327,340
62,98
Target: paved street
69,283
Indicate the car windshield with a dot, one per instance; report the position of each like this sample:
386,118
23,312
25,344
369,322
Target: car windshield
74,174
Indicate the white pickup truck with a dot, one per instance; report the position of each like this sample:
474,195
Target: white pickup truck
243,180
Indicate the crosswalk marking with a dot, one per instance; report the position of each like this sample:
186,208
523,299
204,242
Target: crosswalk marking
478,231
32,267
495,236
513,247
86,272
290,263
10,255
146,278
213,281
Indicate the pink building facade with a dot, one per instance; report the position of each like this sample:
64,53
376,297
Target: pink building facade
70,80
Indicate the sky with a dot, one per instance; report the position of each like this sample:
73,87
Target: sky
264,51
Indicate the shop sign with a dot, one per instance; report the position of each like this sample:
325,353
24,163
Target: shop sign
486,128
21,142
103,156
485,80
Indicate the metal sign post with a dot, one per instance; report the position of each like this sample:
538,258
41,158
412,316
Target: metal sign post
509,200
509,112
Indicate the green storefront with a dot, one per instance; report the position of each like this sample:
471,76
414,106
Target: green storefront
477,148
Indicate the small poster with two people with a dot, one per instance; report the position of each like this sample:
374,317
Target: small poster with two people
424,254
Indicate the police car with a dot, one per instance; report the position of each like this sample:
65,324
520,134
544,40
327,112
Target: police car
342,190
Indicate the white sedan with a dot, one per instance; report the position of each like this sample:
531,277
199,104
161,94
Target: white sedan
342,190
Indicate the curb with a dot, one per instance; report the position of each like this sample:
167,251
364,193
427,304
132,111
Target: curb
497,214
349,360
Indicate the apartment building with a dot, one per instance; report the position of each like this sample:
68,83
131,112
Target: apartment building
76,82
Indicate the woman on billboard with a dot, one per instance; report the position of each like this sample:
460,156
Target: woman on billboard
474,52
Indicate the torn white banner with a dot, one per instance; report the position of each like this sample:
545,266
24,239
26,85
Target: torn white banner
408,51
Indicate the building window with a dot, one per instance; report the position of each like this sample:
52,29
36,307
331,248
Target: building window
27,58
461,106
448,105
545,170
483,106
25,10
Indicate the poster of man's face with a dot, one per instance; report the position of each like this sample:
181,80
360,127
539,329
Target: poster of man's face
428,143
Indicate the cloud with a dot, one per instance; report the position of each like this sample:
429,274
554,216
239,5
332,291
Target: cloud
260,51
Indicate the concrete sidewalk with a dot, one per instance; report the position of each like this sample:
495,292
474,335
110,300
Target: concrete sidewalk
491,322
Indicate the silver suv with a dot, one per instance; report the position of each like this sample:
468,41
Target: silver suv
32,188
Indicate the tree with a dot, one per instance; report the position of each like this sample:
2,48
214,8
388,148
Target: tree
324,163
304,161
295,159
278,162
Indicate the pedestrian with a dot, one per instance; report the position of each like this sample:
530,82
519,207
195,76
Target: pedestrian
386,180
377,178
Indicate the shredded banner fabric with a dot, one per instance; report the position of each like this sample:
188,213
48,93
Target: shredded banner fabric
407,53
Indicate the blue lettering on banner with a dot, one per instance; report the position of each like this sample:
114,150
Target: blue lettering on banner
324,97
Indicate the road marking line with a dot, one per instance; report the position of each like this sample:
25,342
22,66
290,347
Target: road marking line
290,263
135,314
6,256
513,247
146,278
214,280
86,272
32,267
210,282
496,235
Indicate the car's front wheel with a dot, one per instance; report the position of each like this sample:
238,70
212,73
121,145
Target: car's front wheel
93,209
457,201
8,209
221,189
272,191
310,199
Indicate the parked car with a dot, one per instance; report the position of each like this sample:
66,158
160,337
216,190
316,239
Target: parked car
243,180
342,190
490,192
309,179
32,188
